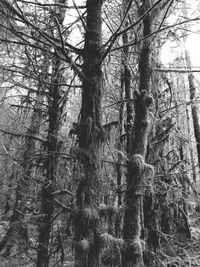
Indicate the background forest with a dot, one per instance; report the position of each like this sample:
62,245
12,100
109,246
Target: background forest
99,133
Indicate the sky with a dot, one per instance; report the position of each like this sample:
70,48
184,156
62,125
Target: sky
171,49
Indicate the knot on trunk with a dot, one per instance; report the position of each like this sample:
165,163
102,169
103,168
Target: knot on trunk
143,99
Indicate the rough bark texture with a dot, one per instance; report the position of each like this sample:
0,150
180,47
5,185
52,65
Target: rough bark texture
195,116
135,178
120,147
86,217
50,167
51,163
126,78
126,92
192,89
133,251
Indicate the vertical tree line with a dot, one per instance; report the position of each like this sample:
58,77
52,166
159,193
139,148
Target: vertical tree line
96,139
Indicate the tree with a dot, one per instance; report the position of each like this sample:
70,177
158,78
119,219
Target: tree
192,87
116,186
87,252
55,110
138,172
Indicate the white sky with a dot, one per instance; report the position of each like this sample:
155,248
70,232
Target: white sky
171,50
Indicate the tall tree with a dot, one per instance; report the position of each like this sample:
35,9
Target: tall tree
138,172
126,74
192,88
87,250
55,109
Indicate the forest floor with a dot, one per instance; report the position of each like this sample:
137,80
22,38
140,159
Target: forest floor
174,252
184,253
179,251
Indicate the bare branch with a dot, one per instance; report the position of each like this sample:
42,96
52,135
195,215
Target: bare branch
118,102
63,191
156,32
36,137
80,17
118,32
52,5
62,205
177,70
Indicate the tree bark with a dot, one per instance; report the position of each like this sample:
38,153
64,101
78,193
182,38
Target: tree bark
86,218
120,147
126,74
51,163
133,251
50,167
192,88
195,116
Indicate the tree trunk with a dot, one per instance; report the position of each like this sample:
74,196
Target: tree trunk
50,167
126,74
18,230
51,163
86,218
194,174
133,251
126,92
192,88
120,147
195,116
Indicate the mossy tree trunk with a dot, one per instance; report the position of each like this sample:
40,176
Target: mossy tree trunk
50,167
55,109
126,78
133,251
86,219
125,93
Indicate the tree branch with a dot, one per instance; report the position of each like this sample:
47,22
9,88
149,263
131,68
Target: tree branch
39,138
117,33
177,70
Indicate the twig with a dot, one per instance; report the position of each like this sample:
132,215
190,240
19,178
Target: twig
63,191
119,102
24,135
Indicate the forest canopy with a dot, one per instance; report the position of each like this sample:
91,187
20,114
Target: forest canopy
100,133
